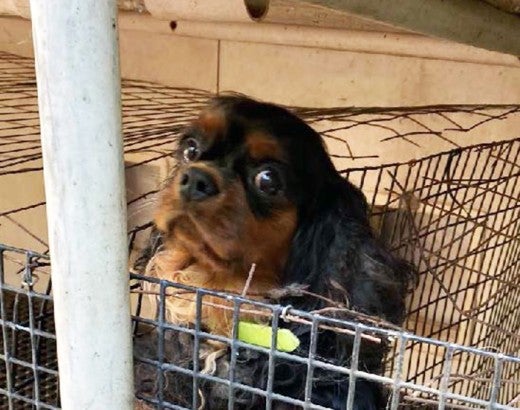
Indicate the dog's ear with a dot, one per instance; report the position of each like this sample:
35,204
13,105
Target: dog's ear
335,253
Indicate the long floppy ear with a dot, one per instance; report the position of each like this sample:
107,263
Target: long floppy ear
335,253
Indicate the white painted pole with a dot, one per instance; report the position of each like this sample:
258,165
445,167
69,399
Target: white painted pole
77,69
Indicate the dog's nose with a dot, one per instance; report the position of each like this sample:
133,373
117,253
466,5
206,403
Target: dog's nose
197,185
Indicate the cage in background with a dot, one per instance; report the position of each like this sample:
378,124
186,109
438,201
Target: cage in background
454,212
460,227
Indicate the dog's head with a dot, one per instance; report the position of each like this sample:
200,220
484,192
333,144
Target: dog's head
247,174
254,184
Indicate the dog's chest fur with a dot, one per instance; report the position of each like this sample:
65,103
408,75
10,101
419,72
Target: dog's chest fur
216,312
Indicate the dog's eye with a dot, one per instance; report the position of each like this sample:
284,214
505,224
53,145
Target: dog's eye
191,150
268,181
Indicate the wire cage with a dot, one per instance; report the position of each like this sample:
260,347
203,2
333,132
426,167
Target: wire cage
448,202
29,376
493,381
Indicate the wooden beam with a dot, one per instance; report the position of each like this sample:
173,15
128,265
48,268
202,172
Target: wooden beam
470,22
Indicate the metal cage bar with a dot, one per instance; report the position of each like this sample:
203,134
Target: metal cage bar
77,70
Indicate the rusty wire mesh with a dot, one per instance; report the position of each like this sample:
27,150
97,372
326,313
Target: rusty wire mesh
456,216
442,181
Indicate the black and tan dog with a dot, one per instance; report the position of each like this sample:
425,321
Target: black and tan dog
254,186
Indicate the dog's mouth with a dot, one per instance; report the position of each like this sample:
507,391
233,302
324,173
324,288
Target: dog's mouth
185,230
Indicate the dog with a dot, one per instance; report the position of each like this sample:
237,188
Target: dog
254,188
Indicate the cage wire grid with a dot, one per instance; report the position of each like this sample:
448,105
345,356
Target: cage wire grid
454,213
29,377
403,391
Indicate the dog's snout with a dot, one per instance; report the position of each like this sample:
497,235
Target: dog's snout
197,185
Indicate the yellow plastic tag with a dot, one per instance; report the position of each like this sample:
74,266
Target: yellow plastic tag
260,335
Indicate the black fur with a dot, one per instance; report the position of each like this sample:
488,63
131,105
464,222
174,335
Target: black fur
334,253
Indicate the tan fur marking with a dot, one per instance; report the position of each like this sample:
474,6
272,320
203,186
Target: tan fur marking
261,146
212,122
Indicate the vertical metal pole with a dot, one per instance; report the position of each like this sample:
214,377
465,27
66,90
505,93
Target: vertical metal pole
77,67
